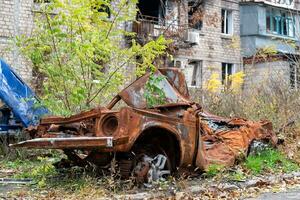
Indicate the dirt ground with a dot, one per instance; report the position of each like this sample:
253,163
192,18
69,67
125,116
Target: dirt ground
291,194
284,186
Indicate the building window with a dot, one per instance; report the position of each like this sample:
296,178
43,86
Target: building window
178,64
102,7
280,23
153,11
294,75
227,70
227,27
195,17
193,73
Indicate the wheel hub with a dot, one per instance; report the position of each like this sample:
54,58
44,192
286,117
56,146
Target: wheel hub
150,170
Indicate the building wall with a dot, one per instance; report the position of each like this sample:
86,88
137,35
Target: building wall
262,74
16,18
256,36
214,47
290,4
254,33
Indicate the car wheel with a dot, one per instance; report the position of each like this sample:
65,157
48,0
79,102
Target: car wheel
151,164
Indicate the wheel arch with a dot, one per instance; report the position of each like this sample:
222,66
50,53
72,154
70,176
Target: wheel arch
167,138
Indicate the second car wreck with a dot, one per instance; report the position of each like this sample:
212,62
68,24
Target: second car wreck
150,143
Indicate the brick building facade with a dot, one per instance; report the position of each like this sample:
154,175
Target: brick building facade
218,48
216,43
16,17
209,45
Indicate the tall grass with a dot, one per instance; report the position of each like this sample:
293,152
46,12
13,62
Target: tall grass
274,100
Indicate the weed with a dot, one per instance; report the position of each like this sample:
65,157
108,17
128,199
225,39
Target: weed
38,169
237,176
213,170
270,160
42,171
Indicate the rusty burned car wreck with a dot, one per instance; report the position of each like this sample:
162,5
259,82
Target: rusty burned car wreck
150,143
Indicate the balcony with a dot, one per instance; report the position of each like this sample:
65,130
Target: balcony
148,28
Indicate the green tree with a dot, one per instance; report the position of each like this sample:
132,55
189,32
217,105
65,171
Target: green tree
79,47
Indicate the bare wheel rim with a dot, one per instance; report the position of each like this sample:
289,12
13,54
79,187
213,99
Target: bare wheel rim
152,164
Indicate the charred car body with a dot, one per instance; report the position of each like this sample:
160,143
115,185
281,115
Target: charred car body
150,143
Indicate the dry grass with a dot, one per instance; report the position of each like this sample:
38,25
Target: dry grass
274,100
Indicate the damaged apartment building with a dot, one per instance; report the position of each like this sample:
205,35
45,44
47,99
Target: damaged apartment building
210,36
270,41
259,37
205,34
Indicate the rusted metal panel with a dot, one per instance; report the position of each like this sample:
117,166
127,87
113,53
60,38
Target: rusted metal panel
71,143
177,80
133,95
225,140
74,118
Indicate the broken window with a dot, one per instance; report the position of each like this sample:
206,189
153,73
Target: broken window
195,18
227,21
172,14
102,7
193,72
227,70
197,73
153,10
105,9
294,75
177,63
280,23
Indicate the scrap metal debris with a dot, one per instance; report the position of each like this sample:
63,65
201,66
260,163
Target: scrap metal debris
150,143
15,181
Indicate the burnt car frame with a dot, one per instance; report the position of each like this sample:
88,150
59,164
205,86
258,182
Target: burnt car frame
150,143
